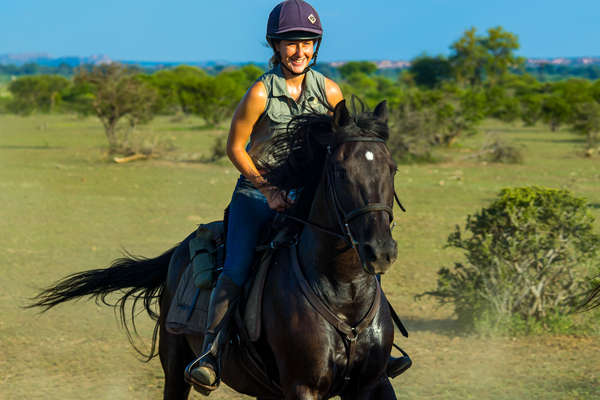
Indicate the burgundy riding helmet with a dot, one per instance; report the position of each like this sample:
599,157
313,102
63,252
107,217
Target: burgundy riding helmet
295,20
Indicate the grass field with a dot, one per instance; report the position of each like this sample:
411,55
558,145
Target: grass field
67,207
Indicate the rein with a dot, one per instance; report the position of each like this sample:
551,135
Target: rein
343,217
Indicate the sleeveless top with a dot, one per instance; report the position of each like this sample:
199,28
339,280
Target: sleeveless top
281,107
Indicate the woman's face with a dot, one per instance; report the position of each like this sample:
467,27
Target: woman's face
296,54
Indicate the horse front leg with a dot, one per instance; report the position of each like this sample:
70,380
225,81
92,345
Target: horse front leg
383,390
302,392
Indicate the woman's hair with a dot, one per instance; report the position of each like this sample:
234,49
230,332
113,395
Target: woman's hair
274,60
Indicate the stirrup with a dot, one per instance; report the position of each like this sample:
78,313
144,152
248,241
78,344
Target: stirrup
200,387
404,363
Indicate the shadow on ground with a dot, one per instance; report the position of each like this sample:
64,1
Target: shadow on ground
546,140
39,147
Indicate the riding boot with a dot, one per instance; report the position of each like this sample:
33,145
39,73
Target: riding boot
397,365
203,372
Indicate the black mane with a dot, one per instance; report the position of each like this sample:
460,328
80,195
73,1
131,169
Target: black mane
295,158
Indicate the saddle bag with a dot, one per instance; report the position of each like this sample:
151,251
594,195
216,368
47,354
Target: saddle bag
207,254
189,308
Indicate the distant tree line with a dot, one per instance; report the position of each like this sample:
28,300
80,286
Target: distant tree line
432,103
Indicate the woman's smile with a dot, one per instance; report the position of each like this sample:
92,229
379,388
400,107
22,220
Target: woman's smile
296,54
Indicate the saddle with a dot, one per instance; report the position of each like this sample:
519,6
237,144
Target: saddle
189,308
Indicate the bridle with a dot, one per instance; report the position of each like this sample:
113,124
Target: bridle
343,217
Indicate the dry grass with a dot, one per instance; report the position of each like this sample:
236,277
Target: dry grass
66,207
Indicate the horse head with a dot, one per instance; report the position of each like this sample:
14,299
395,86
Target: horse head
360,177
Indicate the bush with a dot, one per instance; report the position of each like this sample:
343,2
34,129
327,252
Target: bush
429,118
499,151
527,257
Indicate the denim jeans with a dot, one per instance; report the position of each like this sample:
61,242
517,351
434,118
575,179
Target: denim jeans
249,215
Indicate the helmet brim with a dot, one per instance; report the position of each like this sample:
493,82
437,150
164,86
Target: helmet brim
296,35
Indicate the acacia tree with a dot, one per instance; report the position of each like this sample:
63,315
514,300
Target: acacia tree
477,58
39,92
587,122
430,72
118,93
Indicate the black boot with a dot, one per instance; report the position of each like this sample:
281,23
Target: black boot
397,365
202,373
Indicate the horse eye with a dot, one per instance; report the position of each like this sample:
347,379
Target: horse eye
340,173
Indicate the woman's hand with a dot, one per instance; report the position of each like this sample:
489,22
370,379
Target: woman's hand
277,199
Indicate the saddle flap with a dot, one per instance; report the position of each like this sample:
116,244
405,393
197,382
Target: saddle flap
253,309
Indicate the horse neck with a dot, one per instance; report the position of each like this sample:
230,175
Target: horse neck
333,270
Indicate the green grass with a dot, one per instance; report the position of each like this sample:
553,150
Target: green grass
67,207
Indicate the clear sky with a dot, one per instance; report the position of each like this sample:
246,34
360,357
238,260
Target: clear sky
233,30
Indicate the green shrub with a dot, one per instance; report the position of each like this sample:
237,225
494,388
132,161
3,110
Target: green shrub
528,256
499,151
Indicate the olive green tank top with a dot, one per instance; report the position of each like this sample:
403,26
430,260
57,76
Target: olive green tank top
281,107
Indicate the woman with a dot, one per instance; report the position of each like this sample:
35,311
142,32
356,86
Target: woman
289,89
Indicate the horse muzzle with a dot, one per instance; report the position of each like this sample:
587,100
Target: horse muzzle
379,254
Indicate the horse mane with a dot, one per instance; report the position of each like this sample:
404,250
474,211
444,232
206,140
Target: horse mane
295,157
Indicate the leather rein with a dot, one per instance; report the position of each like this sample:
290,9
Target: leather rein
348,332
343,217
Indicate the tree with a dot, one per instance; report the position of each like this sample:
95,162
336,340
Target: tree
499,47
118,93
38,92
477,58
555,111
430,72
353,67
587,122
215,98
468,58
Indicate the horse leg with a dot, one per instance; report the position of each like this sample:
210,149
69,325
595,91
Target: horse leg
302,392
382,391
174,354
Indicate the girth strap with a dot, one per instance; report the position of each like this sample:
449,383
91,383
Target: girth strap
349,333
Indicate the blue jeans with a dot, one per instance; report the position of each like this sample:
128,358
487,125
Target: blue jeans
249,215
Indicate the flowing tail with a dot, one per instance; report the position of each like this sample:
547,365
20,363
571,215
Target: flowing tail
138,280
592,299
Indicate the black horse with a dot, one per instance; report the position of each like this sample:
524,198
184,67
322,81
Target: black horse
326,327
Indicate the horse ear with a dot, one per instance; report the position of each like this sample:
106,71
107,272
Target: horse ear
341,115
381,111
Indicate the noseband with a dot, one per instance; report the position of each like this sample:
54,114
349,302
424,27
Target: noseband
343,217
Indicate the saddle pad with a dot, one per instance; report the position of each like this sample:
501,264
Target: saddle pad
189,308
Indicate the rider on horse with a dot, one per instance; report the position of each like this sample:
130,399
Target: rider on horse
291,88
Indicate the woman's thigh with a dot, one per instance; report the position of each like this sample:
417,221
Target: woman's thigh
248,216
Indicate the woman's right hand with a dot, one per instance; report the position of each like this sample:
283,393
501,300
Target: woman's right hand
277,199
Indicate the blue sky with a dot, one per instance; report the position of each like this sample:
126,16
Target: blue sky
233,30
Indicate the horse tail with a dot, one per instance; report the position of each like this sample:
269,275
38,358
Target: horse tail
592,298
137,279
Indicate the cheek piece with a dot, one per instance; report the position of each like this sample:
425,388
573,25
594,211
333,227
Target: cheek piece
343,217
